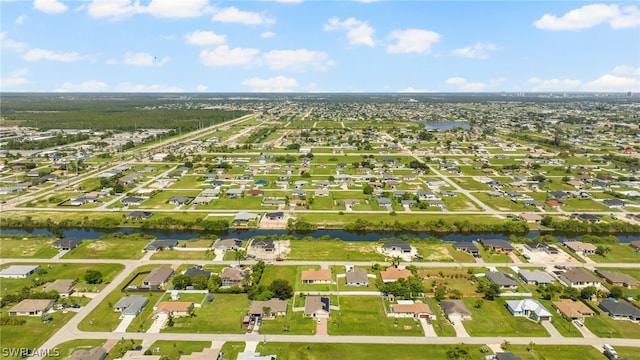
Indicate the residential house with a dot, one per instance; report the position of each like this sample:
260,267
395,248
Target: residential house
357,277
174,308
455,310
535,246
234,193
506,356
528,308
578,278
531,218
496,245
572,310
131,306
268,309
18,271
536,277
233,276
277,215
635,244
179,200
620,309
586,217
66,244
614,203
383,202
227,244
580,248
503,279
158,278
255,192
139,215
243,218
131,201
315,276
618,279
468,247
264,245
63,287
251,355
391,247
409,308
31,307
392,274
317,306
161,244
195,271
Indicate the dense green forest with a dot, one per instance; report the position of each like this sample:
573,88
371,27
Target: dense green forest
111,112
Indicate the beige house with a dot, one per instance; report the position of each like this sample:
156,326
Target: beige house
174,308
313,276
393,274
570,309
408,308
31,307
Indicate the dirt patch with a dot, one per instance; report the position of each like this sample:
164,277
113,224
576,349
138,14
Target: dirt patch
282,250
97,245
438,254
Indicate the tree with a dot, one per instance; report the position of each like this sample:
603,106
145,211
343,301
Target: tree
181,281
170,321
266,311
281,289
215,281
459,352
199,282
603,250
93,277
505,345
478,304
46,317
616,292
491,292
588,292
571,293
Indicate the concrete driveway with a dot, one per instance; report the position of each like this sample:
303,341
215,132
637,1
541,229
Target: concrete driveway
158,324
460,330
428,328
321,326
551,329
124,324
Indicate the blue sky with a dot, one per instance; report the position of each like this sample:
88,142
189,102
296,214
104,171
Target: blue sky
319,46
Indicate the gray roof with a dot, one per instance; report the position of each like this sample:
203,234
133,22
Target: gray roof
579,275
159,275
455,307
276,306
403,245
191,272
619,308
245,216
539,277
496,243
615,277
67,243
500,278
18,270
315,303
466,246
131,305
383,201
357,276
165,244
507,356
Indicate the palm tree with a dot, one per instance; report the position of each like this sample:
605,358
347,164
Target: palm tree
239,255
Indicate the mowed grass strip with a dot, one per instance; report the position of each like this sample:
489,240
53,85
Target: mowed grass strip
27,248
333,250
358,314
318,351
221,316
557,352
605,327
172,350
493,319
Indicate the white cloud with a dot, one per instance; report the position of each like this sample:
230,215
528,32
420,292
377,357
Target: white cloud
626,70
223,55
50,6
15,79
200,37
177,9
463,85
143,59
289,1
538,84
234,15
591,15
268,34
129,87
87,86
479,50
121,9
412,41
42,54
20,19
114,9
11,44
297,60
358,32
613,83
274,84
411,89
202,88
111,62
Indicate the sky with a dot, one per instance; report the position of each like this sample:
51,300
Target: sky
319,46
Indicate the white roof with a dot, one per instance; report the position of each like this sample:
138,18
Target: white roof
528,304
18,270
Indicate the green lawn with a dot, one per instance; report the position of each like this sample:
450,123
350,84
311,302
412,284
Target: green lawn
272,272
294,323
172,350
27,248
183,255
53,271
494,256
440,252
358,313
620,253
544,352
321,351
230,350
329,250
124,345
67,348
509,325
605,327
13,336
221,316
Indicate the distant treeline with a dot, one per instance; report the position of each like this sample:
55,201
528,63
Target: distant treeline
110,113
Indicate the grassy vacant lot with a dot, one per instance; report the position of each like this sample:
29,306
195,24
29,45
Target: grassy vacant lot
67,348
619,253
294,323
221,316
272,272
110,247
183,255
541,352
13,336
440,252
172,350
315,351
605,327
103,317
502,322
27,248
494,256
230,350
358,313
329,250
63,271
